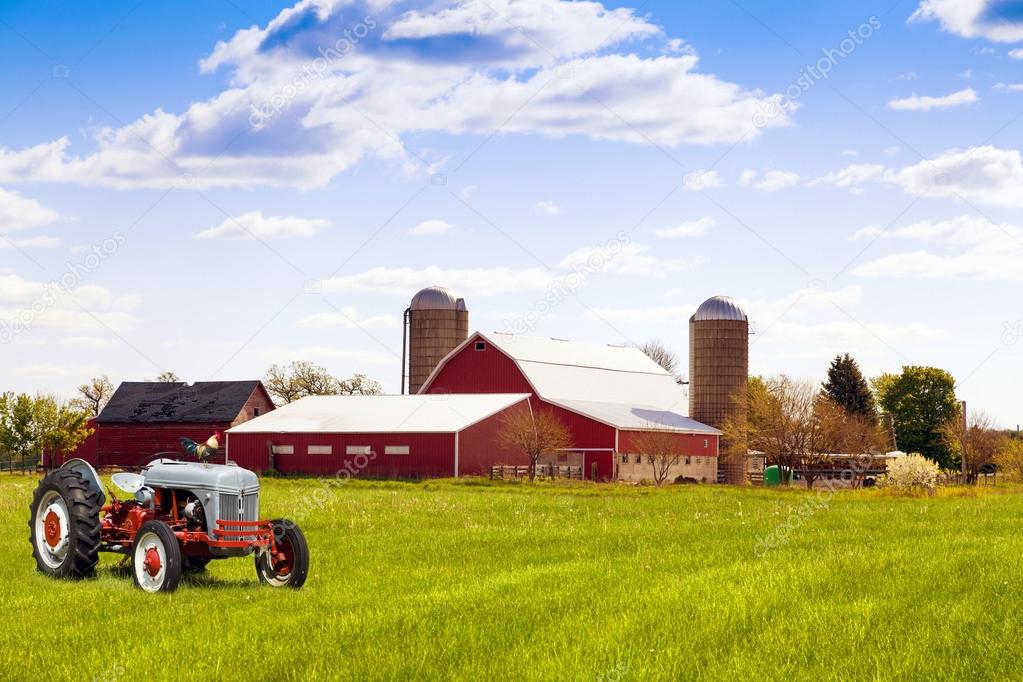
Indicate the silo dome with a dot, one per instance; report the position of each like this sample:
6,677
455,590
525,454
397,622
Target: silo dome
720,308
435,298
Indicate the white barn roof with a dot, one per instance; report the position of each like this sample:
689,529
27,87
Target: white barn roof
568,370
380,414
637,418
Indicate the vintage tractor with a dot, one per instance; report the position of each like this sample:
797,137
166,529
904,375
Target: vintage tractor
179,516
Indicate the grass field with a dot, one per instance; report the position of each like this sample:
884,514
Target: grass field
456,580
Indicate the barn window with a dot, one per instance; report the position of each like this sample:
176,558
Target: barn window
320,450
396,450
625,459
687,460
481,345
358,450
255,411
706,443
284,449
639,459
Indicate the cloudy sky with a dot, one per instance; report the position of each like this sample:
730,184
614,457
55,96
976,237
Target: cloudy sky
213,189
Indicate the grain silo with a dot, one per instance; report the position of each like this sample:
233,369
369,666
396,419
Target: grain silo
436,322
718,370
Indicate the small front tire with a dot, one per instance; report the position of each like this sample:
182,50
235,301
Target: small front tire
156,558
289,566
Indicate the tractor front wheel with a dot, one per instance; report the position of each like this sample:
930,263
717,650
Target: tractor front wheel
288,565
156,558
64,528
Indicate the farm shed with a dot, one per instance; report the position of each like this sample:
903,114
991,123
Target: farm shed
606,395
147,417
393,436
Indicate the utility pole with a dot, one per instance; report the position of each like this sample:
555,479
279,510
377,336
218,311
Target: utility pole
963,440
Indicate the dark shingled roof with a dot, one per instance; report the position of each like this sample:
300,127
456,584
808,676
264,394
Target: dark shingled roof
204,402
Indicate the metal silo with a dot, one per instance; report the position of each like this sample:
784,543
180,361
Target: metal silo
435,323
718,370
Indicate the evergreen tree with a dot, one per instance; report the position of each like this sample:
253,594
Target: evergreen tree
847,387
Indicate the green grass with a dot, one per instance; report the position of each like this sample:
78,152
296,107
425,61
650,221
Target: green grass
473,581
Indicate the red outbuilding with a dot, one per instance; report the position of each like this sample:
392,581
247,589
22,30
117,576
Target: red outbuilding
144,418
394,436
607,395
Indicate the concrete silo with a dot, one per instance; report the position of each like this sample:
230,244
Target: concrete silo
718,370
435,323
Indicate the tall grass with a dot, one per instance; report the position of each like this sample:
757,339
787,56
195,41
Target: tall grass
471,580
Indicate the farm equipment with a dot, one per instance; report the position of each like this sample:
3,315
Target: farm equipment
176,517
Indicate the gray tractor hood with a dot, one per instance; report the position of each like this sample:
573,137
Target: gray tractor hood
168,473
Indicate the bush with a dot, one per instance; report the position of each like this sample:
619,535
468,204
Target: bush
912,473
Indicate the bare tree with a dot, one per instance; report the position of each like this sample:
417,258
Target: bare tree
796,427
168,377
978,443
94,395
663,356
536,434
301,379
662,450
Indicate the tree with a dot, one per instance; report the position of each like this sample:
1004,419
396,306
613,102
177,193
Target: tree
301,379
168,377
94,395
16,434
662,449
1010,458
31,426
847,387
663,356
919,401
976,444
796,427
536,434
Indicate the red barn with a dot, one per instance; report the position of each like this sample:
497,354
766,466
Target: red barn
395,436
145,418
607,395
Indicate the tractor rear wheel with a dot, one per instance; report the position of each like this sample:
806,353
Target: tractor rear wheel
289,566
64,526
156,558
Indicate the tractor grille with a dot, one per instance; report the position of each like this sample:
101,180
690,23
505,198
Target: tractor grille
249,507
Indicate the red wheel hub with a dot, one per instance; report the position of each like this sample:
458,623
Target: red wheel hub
152,562
51,529
284,559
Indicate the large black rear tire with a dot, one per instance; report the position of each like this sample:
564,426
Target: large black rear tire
292,566
156,558
64,526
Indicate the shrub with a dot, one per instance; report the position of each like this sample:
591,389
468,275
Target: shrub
912,473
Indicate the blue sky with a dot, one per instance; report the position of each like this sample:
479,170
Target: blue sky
200,189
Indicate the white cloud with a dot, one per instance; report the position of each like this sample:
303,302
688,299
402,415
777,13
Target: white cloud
926,103
964,247
691,228
40,242
1007,87
430,227
309,118
908,76
254,225
850,152
465,281
547,208
893,150
984,174
699,180
970,19
770,181
853,177
26,305
627,259
1016,53
90,342
20,213
49,369
348,318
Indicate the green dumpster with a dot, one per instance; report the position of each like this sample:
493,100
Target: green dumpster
773,475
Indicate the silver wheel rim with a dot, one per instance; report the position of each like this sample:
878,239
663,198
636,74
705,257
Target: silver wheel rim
267,569
53,503
149,583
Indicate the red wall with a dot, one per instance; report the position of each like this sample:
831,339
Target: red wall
479,449
133,444
430,455
479,371
691,443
